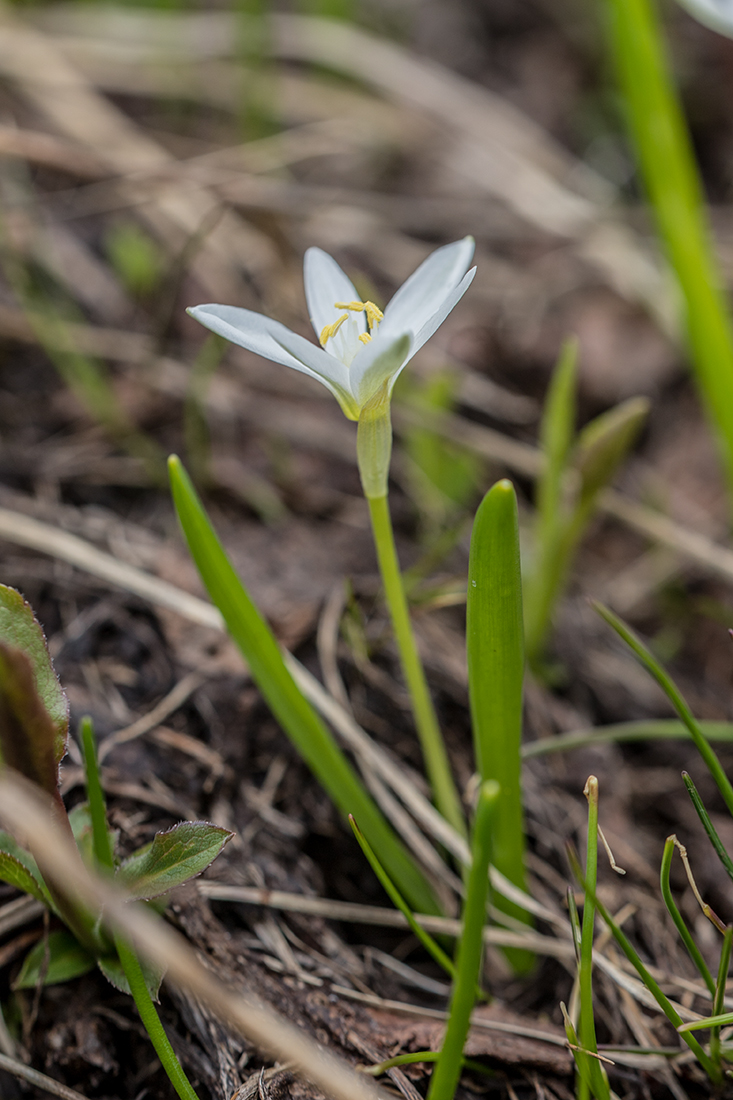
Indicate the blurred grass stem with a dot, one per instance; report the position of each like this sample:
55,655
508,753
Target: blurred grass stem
672,180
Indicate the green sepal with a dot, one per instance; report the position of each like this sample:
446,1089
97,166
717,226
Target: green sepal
59,959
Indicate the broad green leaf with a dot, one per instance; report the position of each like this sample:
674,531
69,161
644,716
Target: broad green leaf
19,869
20,629
28,736
111,967
59,960
495,652
173,857
292,710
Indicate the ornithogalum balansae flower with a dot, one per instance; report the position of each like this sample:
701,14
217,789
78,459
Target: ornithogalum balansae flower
361,351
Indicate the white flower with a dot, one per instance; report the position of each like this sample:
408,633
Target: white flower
362,350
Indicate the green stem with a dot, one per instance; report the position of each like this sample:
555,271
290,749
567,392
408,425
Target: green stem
596,1076
715,1047
444,1081
668,167
151,1021
129,960
431,740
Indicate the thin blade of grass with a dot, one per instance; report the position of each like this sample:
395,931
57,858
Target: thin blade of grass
495,652
667,162
684,932
399,902
444,1080
294,713
707,825
670,689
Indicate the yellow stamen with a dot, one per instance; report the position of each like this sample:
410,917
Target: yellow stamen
329,331
365,338
373,313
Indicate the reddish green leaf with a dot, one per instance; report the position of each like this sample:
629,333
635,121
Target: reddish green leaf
28,735
20,629
59,959
173,857
19,869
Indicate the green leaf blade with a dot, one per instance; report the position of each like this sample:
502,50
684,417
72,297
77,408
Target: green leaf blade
173,858
294,713
20,629
495,651
29,740
57,960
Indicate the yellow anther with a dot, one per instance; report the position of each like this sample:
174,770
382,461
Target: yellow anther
328,331
355,307
373,313
365,338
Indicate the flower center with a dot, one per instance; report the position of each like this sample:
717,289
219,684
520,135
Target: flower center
373,316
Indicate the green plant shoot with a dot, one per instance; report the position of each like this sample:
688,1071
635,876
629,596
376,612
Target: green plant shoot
495,652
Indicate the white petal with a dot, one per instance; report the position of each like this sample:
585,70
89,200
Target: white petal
274,341
381,360
423,294
437,319
326,284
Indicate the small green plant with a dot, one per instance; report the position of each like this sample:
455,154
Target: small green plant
577,467
33,736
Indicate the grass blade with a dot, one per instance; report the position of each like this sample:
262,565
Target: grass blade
707,825
495,651
685,936
444,1081
399,902
667,162
669,688
294,713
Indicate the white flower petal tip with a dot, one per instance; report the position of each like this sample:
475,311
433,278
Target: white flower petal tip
361,350
716,14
